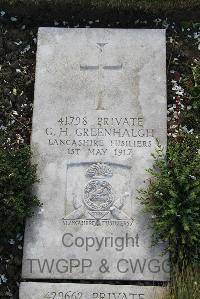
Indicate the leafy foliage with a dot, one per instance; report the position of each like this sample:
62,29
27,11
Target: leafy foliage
172,198
153,5
190,118
17,174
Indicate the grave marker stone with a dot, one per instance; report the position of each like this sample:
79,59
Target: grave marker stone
35,290
100,104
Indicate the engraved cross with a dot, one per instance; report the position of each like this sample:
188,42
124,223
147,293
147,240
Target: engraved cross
101,68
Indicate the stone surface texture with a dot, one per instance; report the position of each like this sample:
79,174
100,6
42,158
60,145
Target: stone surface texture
35,290
100,104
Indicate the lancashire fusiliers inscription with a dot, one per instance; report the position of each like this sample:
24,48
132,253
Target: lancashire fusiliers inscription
100,105
123,135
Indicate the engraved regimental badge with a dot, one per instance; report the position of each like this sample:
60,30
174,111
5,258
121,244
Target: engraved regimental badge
98,200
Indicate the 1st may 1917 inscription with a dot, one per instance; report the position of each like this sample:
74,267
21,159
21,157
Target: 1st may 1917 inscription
124,135
100,105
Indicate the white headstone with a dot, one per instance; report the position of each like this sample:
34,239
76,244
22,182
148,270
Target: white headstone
100,104
34,290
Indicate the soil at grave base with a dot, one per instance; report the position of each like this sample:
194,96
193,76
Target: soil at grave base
11,254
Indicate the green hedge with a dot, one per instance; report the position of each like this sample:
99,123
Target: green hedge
173,199
17,175
145,5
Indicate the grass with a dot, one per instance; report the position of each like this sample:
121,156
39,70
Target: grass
184,285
